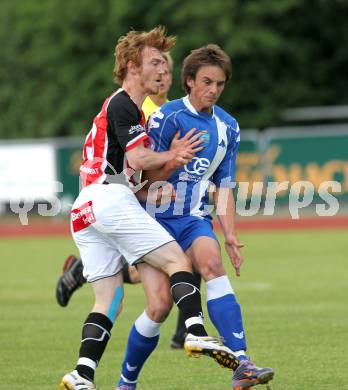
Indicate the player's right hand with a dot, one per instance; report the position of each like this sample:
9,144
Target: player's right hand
233,248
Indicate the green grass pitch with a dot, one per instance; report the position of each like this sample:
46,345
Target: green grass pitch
293,292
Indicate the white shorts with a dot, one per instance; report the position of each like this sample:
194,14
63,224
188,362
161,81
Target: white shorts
110,228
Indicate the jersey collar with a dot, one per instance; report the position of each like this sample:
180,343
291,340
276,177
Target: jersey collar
190,107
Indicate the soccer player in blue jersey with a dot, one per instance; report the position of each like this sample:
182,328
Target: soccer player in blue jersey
108,224
187,218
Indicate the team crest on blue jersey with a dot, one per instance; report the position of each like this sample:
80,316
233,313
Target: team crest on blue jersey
206,138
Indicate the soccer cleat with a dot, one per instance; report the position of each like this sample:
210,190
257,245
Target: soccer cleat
71,279
125,387
197,346
248,375
73,381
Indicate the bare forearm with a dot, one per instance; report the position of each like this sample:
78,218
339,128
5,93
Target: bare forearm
225,210
226,217
161,174
142,158
153,160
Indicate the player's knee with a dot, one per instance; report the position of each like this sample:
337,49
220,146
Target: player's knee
212,268
158,310
175,259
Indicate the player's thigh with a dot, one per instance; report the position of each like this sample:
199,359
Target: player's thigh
133,232
205,254
157,291
169,258
99,256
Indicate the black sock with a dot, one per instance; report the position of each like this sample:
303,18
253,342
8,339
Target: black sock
188,299
95,336
180,330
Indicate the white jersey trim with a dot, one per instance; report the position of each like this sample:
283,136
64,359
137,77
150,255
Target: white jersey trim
219,156
136,139
190,107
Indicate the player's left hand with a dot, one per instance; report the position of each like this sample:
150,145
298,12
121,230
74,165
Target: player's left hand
233,247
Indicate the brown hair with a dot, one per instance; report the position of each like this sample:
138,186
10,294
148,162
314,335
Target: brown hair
130,46
204,56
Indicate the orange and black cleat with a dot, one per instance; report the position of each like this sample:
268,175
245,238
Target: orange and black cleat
248,375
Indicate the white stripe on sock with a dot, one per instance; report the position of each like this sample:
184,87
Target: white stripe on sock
218,287
193,320
87,362
239,353
146,327
127,380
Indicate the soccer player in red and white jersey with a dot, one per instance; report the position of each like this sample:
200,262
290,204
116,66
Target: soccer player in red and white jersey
72,277
108,224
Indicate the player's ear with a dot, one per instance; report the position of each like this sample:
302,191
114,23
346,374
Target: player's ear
190,82
132,68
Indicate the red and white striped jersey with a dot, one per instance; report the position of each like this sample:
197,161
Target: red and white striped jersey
118,128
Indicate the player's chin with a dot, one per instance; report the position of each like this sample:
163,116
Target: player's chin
153,90
210,102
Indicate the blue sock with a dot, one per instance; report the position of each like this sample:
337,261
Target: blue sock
142,340
224,312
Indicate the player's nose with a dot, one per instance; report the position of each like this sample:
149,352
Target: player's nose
162,68
213,89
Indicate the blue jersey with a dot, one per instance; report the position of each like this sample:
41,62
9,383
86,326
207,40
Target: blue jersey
214,164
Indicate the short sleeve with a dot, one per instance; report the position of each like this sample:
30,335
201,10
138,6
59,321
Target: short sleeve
162,129
127,122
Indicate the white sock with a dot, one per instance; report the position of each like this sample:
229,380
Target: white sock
146,327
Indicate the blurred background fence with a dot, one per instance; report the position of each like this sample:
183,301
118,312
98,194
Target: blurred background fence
48,170
289,83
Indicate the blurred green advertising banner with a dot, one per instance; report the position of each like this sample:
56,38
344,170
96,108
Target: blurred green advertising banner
288,156
315,154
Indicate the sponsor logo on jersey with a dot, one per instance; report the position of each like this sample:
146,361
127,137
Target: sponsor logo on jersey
184,176
198,166
89,171
82,217
136,129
